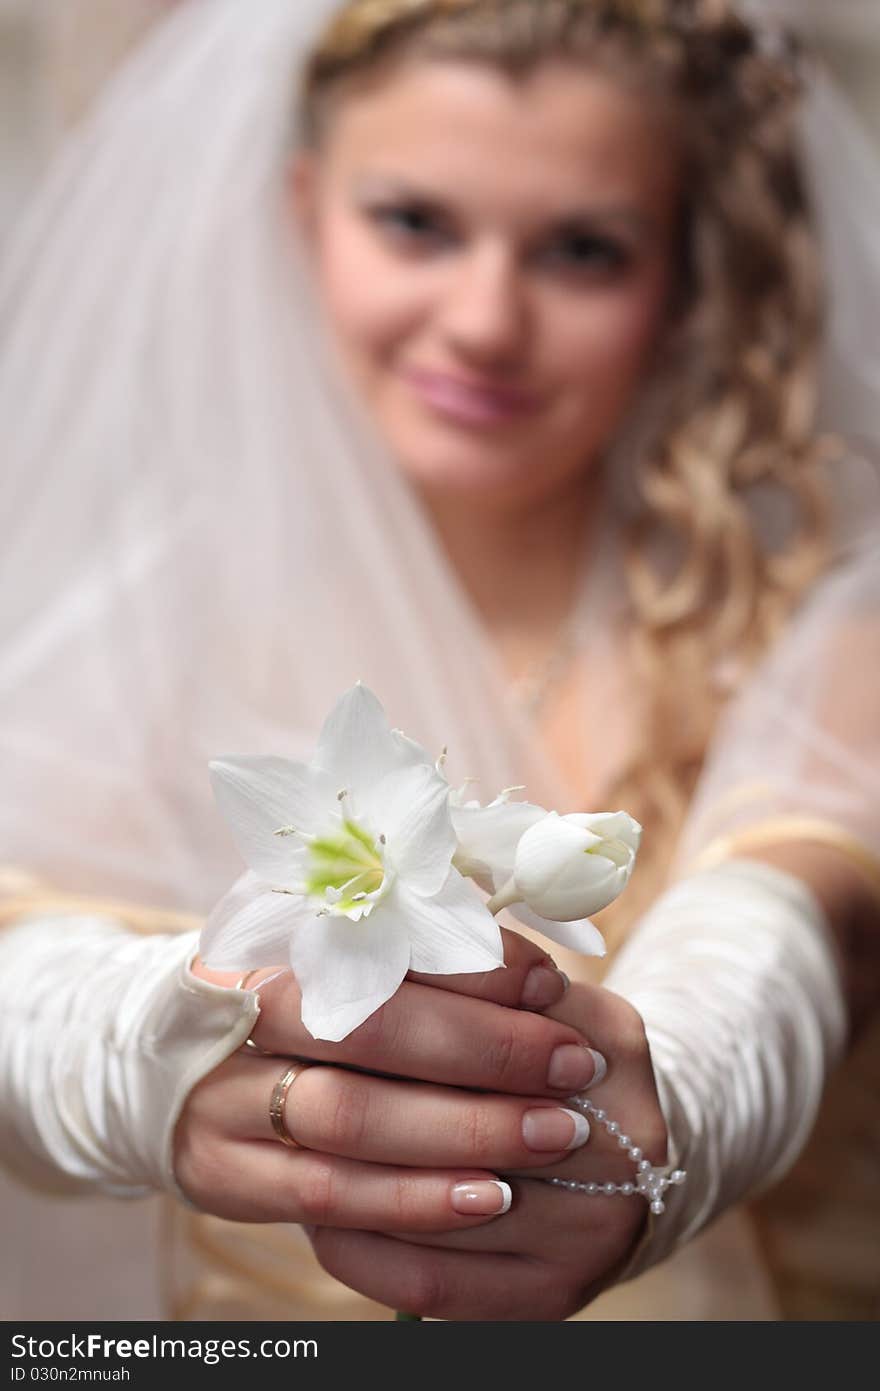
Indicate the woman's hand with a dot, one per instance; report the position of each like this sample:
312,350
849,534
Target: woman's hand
405,1131
380,1153
554,1251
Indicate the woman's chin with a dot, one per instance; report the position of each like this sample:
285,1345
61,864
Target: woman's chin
475,474
503,486
475,487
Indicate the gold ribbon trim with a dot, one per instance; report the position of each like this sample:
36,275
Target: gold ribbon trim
786,829
22,895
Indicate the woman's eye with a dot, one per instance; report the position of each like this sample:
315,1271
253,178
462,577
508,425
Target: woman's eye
411,223
592,254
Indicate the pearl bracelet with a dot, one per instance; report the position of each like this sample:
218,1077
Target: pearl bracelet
650,1182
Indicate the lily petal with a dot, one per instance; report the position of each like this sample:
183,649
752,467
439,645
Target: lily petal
260,794
581,935
409,752
452,933
346,971
610,825
356,746
249,927
488,836
411,808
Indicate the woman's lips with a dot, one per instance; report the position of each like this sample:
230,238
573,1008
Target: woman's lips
469,403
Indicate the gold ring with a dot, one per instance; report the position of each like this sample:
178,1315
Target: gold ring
277,1102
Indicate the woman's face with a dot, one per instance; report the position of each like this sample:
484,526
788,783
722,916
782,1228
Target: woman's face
496,262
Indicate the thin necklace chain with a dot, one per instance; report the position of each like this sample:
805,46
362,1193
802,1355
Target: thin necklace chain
532,691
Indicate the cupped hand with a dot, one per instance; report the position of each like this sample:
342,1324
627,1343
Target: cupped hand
387,1131
407,1126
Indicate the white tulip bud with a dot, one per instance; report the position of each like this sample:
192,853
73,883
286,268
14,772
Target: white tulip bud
568,867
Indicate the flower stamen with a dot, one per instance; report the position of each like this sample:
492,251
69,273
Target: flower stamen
294,831
507,792
347,871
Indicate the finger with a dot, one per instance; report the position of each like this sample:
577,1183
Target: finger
335,1111
613,1023
253,1182
442,1284
438,1036
553,1224
626,1087
529,978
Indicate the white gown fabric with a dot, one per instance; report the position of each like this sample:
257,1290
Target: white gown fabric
204,543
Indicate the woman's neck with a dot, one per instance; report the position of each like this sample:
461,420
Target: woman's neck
520,566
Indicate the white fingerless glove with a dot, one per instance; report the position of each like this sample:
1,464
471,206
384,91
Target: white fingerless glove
736,976
103,1034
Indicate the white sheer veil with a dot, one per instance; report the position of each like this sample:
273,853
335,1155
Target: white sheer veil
204,543
203,540
843,173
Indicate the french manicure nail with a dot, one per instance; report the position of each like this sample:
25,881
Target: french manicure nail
571,1067
543,986
483,1198
601,1067
552,1128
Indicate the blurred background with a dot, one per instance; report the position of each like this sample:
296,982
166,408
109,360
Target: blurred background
55,55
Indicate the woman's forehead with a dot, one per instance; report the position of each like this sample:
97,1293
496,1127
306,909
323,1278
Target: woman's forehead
558,131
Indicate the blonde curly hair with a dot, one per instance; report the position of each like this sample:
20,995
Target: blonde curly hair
729,413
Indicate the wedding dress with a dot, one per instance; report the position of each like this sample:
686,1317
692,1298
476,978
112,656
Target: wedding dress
205,543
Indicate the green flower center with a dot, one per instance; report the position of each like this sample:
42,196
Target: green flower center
345,869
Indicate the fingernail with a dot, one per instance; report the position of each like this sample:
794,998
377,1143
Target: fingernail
543,986
601,1067
484,1198
571,1067
554,1128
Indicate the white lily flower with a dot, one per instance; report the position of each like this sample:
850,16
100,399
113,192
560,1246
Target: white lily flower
352,877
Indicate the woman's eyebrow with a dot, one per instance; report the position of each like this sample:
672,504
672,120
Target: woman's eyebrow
573,218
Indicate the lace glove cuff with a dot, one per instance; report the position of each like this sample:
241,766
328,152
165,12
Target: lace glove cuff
103,1034
735,973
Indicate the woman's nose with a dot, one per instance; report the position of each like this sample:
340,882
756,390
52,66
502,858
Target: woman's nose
484,313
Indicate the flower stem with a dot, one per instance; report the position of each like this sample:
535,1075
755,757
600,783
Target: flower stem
504,897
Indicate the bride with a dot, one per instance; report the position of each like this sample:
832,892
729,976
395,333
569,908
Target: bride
472,350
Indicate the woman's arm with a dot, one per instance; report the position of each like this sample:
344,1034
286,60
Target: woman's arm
850,897
101,1040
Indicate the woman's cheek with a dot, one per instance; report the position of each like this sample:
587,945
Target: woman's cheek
359,297
624,331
